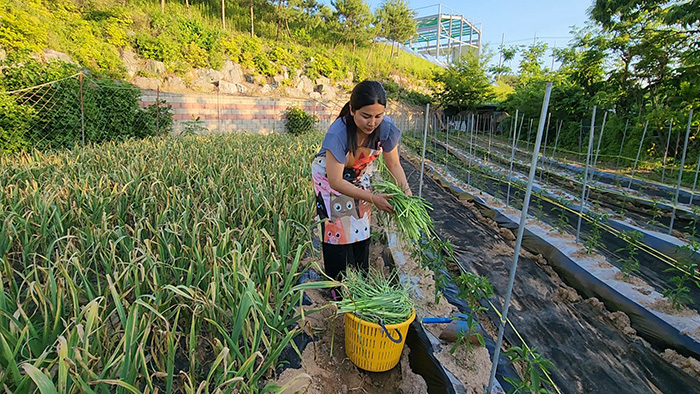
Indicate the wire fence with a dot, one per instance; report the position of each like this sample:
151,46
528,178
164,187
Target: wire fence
77,109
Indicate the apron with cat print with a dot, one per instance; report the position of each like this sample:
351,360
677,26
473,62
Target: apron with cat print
348,218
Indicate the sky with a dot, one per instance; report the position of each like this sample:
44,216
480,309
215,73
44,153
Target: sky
520,21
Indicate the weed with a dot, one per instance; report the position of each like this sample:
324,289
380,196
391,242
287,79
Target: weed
535,367
631,263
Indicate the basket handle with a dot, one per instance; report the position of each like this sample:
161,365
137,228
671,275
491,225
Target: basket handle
381,323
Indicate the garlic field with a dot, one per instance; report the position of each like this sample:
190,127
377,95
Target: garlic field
159,265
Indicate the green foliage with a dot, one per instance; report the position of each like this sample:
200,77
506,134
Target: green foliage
630,264
593,242
472,288
396,20
14,124
464,85
299,121
534,369
193,127
686,269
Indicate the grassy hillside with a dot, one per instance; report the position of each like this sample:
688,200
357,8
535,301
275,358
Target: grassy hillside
94,31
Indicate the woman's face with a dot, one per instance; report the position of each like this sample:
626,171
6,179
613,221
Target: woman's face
368,117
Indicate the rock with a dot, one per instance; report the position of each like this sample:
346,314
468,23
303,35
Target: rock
315,95
451,333
203,86
266,89
154,67
328,92
226,87
278,79
293,92
50,54
507,234
232,72
250,78
131,61
146,83
305,84
323,81
208,75
242,89
174,84
3,55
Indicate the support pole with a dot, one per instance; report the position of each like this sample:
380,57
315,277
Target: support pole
519,239
695,183
544,143
556,140
82,111
680,171
585,176
639,151
422,161
622,145
512,154
471,150
597,149
668,142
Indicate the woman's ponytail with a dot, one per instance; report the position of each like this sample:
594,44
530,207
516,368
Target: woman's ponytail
345,111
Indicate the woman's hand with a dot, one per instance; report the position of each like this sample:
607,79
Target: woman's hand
381,201
408,192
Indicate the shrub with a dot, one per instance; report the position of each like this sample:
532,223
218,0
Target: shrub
299,121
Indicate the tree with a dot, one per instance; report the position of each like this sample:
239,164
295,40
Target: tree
396,20
531,62
354,17
464,84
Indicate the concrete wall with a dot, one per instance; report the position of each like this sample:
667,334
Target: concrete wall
227,113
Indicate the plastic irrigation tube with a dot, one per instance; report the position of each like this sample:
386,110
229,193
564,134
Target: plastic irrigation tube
649,326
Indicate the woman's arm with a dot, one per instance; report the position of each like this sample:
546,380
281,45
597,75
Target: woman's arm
394,165
334,170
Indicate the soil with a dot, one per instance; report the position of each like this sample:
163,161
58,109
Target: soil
689,365
326,369
633,280
663,305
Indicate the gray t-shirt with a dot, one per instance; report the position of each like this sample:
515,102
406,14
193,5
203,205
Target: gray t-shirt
336,139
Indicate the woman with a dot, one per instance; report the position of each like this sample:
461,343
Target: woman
341,173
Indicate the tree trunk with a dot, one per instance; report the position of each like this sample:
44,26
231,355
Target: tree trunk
223,15
162,6
374,40
353,47
289,32
187,3
279,18
252,24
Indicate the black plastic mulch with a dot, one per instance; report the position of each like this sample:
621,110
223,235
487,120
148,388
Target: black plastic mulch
591,355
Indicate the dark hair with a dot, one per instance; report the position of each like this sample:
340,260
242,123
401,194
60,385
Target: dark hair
364,93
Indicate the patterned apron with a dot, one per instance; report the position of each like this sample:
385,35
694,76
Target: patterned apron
348,218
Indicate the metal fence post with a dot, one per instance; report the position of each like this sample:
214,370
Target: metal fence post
82,110
639,151
519,239
422,161
680,171
585,176
512,154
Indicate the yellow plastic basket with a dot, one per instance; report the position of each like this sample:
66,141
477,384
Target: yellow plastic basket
367,344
